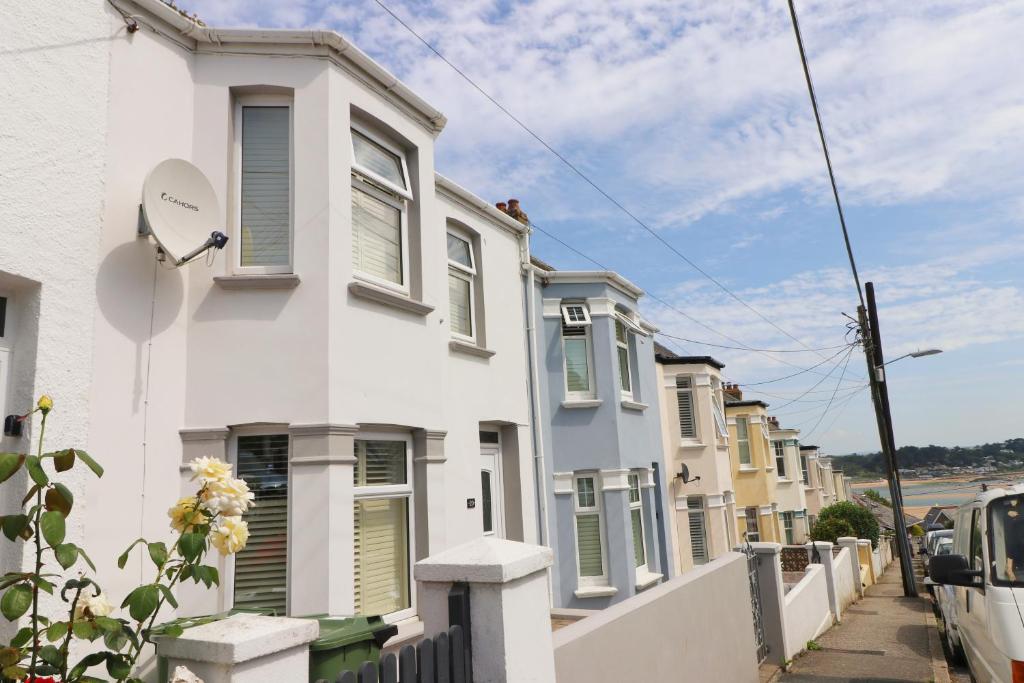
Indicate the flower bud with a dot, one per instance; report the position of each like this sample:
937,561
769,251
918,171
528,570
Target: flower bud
45,404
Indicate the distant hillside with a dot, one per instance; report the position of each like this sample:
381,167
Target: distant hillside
1007,454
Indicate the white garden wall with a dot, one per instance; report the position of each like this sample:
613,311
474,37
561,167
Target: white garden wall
806,610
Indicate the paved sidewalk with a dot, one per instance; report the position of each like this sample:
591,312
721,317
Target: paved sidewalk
884,638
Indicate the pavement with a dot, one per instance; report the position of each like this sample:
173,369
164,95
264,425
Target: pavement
883,638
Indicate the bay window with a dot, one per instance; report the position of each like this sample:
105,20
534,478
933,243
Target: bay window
684,398
636,517
263,150
380,197
577,352
623,340
461,285
743,440
779,447
382,525
719,412
588,525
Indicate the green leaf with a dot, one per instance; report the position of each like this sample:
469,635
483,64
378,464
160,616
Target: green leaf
66,554
9,464
59,498
172,630
87,459
191,546
13,525
122,560
118,666
11,578
51,655
16,601
64,460
56,631
158,553
87,661
52,525
88,561
43,584
14,672
168,595
107,624
115,640
21,637
84,630
207,574
143,601
31,493
35,470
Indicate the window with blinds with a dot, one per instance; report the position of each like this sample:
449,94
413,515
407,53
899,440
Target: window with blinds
378,162
636,517
377,234
265,188
576,349
780,458
684,397
698,530
381,534
753,532
622,349
743,440
590,555
461,285
261,568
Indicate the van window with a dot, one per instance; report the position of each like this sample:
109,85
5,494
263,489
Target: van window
976,559
1006,525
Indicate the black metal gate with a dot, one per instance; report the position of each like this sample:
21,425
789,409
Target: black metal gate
755,602
446,657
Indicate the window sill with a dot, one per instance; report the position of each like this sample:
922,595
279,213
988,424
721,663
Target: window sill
783,480
692,444
646,579
278,281
633,405
749,468
595,591
469,348
581,403
382,295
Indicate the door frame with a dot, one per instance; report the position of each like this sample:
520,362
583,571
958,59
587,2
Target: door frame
490,454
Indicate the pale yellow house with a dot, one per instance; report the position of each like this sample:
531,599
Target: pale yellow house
753,467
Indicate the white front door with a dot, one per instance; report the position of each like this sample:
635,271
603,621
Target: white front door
491,507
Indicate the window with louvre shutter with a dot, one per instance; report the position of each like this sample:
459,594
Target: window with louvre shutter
589,545
261,568
753,532
698,530
263,150
382,520
743,440
687,416
576,350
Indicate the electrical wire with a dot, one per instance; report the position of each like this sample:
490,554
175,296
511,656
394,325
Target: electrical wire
575,169
849,353
833,397
744,348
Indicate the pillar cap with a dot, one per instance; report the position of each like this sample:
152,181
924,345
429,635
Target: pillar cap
238,639
484,560
766,548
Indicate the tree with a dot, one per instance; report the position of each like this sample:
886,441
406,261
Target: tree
831,530
860,519
874,495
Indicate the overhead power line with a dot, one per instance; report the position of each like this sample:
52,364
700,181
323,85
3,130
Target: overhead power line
833,397
575,169
745,348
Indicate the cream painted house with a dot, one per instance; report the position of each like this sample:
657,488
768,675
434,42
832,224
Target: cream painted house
789,489
695,435
357,350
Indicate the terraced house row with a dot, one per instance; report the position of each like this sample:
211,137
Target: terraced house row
376,351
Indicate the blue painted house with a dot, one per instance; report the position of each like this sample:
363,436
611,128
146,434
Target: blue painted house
601,484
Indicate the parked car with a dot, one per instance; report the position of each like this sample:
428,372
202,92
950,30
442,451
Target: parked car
932,538
985,574
945,595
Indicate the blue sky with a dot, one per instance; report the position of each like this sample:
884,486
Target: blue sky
695,116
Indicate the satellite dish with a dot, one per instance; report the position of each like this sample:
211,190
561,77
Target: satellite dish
684,474
180,210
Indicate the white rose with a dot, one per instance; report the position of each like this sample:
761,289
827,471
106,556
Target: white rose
230,497
208,470
90,606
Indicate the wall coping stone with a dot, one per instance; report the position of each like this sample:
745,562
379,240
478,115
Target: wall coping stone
484,560
238,639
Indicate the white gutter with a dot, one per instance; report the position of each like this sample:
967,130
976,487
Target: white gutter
540,477
377,76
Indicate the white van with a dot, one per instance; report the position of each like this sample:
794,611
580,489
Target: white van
986,569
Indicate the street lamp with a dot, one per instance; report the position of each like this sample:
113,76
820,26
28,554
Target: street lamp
880,372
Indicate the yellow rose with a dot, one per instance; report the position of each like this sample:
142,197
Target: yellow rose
230,497
45,404
208,470
184,515
230,535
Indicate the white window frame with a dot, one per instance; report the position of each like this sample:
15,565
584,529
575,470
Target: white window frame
788,514
746,524
740,441
637,504
693,408
228,568
596,509
587,336
805,471
625,345
467,274
566,318
718,411
764,429
358,184
394,491
779,451
370,175
236,262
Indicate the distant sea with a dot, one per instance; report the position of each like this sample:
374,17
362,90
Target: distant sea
954,491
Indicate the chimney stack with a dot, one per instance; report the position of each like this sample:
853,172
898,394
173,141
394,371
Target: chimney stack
516,212
502,206
733,391
774,421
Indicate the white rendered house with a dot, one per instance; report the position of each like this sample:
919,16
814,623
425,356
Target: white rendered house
357,350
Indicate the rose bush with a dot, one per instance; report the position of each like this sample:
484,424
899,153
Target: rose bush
39,651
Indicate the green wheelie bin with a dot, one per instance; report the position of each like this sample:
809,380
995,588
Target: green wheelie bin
344,644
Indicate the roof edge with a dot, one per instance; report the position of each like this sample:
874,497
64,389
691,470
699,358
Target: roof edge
454,192
608,277
690,360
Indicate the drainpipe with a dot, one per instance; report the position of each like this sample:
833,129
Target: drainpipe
534,384
659,513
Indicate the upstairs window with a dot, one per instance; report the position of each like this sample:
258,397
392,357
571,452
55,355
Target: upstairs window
589,547
461,285
623,340
717,410
263,150
743,440
780,458
380,198
577,352
804,473
684,398
636,517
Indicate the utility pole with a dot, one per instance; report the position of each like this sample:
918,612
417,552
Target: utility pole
872,339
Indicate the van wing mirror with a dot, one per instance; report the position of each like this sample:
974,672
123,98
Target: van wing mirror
953,570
